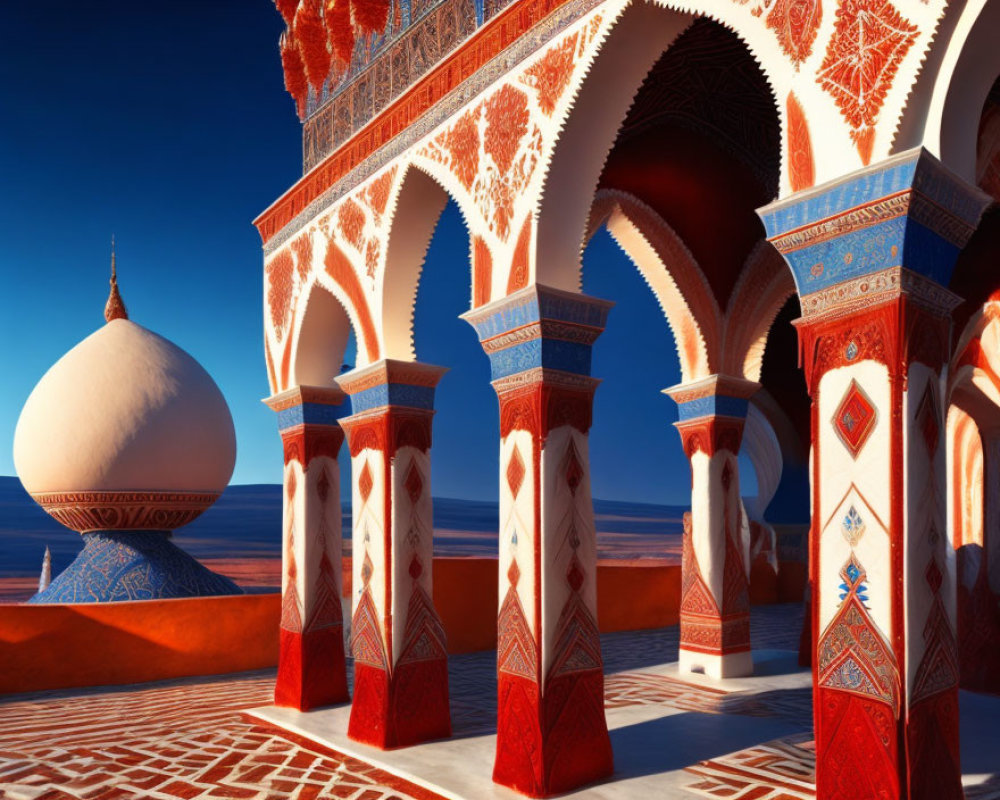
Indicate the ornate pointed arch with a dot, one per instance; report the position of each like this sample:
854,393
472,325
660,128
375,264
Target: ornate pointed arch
946,100
320,339
762,289
672,273
414,209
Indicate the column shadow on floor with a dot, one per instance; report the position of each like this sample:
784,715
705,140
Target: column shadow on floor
677,741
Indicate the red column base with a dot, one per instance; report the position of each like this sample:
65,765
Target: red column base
312,671
856,753
404,709
552,744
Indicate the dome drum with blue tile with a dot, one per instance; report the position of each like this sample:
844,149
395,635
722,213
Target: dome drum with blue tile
125,439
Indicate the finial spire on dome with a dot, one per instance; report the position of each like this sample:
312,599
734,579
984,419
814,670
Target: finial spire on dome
115,307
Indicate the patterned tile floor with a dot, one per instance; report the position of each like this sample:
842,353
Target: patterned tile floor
188,739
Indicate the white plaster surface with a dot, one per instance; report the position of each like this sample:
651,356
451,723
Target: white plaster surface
125,410
730,665
862,481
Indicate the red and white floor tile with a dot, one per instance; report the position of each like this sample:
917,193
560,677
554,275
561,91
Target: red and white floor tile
189,739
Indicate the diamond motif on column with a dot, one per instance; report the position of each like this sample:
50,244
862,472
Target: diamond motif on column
574,471
513,573
323,487
413,484
574,575
365,483
855,419
934,576
416,568
515,472
927,422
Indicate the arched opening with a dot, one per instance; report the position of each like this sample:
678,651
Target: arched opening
678,192
466,427
418,206
325,343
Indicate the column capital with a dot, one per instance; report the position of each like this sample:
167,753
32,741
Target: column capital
308,421
714,396
539,327
307,405
889,230
391,383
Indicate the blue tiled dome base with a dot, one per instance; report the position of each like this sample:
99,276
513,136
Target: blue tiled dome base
132,565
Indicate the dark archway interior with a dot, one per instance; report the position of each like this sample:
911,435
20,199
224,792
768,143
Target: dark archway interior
701,146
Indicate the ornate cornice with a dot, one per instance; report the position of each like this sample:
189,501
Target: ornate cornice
505,41
391,371
713,385
553,378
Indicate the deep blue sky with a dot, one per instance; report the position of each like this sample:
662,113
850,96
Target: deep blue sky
167,124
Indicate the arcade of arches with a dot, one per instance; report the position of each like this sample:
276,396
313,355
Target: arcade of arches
760,161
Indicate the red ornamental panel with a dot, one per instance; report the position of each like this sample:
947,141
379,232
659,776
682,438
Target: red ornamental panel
709,435
796,23
801,167
418,684
855,419
540,408
388,430
869,42
857,701
303,443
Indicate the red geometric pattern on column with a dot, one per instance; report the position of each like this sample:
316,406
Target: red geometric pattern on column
858,701
519,740
927,422
398,700
418,684
312,669
288,685
516,651
855,419
869,41
369,711
735,583
576,740
515,472
365,482
932,735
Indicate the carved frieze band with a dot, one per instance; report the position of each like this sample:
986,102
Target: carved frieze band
911,203
124,511
546,329
877,288
549,377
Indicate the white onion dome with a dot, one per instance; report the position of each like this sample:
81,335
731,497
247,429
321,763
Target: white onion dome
125,432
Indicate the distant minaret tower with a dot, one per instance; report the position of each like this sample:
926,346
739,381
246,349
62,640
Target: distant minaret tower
46,577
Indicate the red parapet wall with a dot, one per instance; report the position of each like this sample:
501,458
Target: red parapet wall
66,646
96,644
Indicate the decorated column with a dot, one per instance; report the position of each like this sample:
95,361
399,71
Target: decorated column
551,731
398,643
311,666
715,584
871,254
